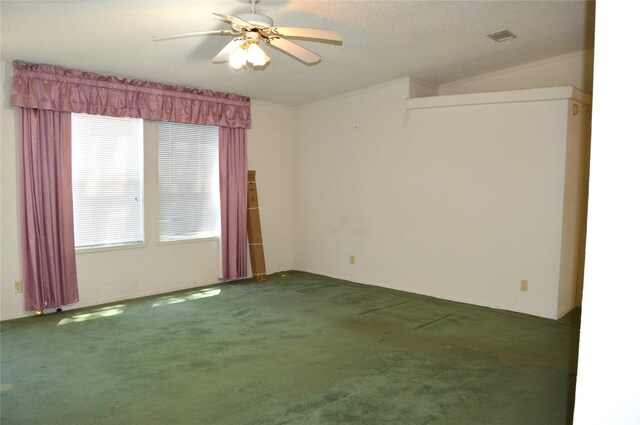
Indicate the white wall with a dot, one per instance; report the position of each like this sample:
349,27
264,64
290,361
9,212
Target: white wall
371,181
271,140
126,273
575,207
342,148
459,203
574,69
10,303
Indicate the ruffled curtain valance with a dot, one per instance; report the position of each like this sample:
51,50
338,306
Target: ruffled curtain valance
48,87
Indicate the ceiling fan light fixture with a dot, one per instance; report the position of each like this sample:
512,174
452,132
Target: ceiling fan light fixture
256,56
238,58
250,28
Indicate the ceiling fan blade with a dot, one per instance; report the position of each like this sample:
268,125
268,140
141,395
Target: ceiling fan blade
237,21
295,50
313,33
194,34
223,56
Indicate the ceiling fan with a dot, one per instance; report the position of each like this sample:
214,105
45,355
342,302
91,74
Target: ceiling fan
251,28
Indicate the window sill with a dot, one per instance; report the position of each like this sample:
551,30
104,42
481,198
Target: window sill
187,241
105,248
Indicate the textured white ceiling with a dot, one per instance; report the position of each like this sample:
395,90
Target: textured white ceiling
434,41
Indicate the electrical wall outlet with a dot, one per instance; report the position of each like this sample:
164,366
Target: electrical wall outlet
17,286
352,259
524,285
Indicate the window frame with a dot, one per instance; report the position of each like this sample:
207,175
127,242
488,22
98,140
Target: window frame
156,161
144,214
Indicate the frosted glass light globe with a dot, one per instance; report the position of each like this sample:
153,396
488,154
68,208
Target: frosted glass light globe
238,58
255,55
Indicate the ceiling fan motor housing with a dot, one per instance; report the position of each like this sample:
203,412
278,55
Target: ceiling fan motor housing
252,36
259,21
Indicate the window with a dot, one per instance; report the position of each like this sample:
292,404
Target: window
107,167
188,182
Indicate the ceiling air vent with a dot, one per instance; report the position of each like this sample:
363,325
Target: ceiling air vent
503,35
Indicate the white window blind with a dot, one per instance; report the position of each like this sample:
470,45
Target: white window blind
107,166
188,181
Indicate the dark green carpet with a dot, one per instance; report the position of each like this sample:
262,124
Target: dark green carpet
297,349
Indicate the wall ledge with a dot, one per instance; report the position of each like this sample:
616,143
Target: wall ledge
510,96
